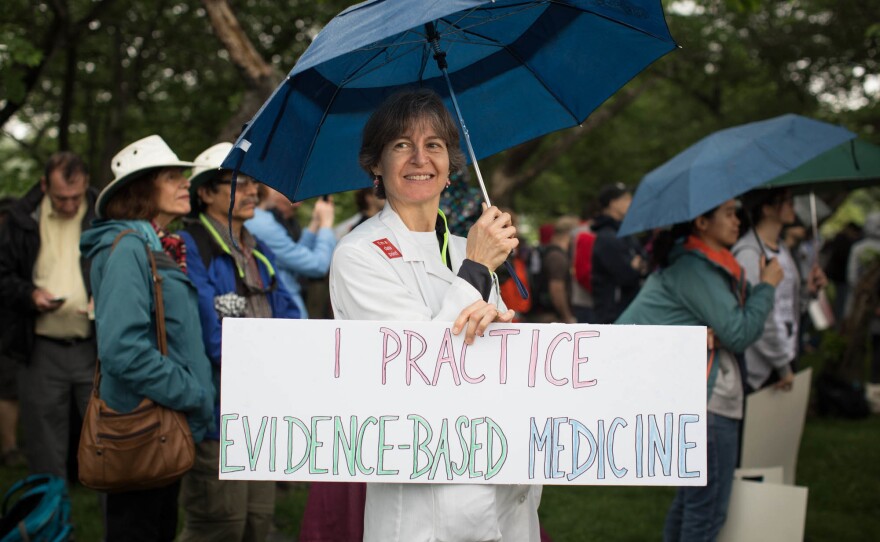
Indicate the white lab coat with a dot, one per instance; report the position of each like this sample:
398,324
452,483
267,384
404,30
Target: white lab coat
398,279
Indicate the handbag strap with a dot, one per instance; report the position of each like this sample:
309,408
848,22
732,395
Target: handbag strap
159,302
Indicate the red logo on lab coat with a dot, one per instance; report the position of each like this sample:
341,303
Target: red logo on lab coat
389,249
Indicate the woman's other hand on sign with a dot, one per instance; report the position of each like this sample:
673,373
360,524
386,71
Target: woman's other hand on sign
491,238
710,339
476,317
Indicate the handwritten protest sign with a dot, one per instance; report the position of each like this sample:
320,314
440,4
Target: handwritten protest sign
409,402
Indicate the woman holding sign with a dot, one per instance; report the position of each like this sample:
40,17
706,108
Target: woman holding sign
700,283
403,264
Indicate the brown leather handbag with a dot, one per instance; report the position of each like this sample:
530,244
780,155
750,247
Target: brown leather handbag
149,447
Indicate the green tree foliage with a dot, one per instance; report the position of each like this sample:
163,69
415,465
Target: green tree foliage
111,71
739,62
139,67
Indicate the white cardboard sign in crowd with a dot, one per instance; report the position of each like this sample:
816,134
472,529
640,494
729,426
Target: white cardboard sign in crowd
325,400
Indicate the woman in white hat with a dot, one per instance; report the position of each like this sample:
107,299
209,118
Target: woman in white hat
148,192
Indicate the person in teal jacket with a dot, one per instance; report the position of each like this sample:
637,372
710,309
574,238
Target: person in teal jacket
700,283
148,192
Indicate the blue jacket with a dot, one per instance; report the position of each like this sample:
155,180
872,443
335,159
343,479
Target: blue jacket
131,366
219,279
310,257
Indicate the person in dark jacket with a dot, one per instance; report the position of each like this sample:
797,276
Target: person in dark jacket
618,264
44,285
235,277
10,455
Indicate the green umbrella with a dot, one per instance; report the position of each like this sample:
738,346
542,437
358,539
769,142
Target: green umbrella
853,163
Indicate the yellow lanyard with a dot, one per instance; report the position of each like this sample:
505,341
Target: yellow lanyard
445,248
257,254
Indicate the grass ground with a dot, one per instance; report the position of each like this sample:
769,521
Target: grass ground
838,463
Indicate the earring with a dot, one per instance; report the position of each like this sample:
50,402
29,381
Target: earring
376,180
448,183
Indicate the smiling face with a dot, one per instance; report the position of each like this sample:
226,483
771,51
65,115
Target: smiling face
172,195
415,167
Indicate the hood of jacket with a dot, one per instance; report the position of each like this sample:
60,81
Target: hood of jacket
605,221
103,232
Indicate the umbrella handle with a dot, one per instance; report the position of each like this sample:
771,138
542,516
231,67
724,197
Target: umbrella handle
440,57
519,285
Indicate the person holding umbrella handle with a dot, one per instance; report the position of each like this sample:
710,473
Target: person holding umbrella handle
403,264
770,359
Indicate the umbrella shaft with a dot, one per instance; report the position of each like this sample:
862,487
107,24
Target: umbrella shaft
467,138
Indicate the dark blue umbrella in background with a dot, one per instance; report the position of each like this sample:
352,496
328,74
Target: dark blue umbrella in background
515,69
726,164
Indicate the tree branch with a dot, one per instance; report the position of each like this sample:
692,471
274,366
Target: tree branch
513,176
32,74
241,50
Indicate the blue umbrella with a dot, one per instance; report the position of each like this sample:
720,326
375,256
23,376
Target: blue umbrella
519,69
726,164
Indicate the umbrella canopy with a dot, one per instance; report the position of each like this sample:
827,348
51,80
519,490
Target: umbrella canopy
851,164
726,164
519,68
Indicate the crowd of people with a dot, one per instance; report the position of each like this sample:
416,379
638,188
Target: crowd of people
76,287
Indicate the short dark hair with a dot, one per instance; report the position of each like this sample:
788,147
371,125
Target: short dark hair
68,162
396,114
136,199
664,241
611,192
212,185
754,202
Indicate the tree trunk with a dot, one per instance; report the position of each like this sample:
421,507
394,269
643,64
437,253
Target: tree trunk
115,112
523,163
260,76
32,74
67,92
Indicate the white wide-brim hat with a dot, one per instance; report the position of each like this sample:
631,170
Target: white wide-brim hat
207,164
143,155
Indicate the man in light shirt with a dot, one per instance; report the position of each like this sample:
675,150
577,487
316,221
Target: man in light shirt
44,284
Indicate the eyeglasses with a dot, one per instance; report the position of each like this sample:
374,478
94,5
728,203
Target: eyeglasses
243,181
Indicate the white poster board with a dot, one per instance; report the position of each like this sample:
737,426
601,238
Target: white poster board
408,402
766,475
773,426
765,512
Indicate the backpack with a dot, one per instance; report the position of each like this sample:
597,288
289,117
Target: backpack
510,293
841,397
36,509
582,257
